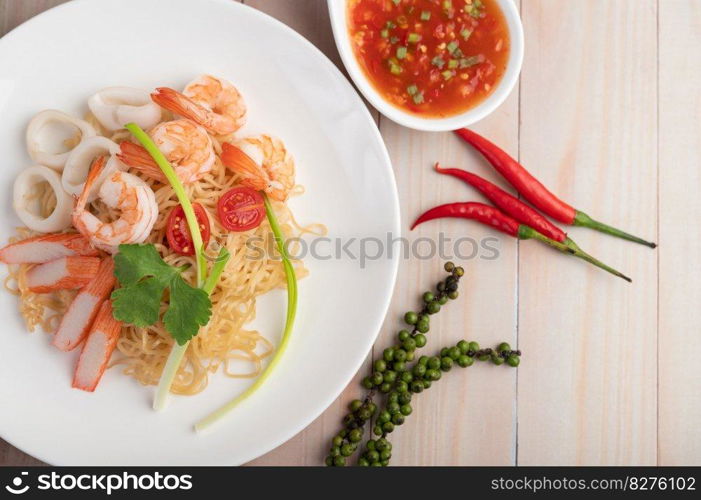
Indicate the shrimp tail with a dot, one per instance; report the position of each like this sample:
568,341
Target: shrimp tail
174,101
95,170
136,157
236,160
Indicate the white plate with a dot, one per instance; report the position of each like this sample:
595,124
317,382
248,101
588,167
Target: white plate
57,60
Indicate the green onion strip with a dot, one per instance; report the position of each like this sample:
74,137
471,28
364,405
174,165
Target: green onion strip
289,323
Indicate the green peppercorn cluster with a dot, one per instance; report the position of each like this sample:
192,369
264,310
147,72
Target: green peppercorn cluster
394,377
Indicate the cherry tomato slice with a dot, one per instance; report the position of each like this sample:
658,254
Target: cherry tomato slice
241,209
178,234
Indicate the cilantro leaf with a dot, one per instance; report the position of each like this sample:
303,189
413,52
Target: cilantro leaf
144,276
190,309
138,304
134,262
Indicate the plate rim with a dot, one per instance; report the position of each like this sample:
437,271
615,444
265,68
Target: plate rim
394,202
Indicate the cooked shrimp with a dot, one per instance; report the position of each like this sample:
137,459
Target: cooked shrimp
126,192
264,164
211,102
186,145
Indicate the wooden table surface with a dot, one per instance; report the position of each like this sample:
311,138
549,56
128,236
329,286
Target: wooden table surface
607,113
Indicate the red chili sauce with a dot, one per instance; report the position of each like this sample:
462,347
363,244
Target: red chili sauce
434,58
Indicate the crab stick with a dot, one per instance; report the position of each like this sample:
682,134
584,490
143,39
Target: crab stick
46,248
75,324
97,350
66,273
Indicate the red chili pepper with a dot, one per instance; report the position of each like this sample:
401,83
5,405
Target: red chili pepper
531,189
508,203
495,218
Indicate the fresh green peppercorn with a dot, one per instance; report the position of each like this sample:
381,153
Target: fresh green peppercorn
433,307
347,450
424,317
417,386
339,461
343,433
355,435
419,370
380,365
410,356
384,417
393,408
355,405
434,363
372,407
474,346
428,297
440,286
401,386
385,387
452,295
389,376
365,413
399,355
399,366
371,445
411,318
384,463
377,378
335,451
513,360
423,360
484,357
403,335
382,444
363,462
446,364
329,461
367,383
427,384
445,352
433,374
504,346
337,441
388,427
376,464
372,456
377,430
443,300
497,360
405,398
423,327
449,266
388,354
385,455
454,352
348,419
405,410
397,419
464,346
407,377
420,340
409,344
459,271
465,361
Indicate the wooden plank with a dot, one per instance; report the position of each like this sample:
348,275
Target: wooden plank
469,418
680,240
586,386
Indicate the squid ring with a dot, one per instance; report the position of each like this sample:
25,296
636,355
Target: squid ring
30,177
39,146
114,107
78,165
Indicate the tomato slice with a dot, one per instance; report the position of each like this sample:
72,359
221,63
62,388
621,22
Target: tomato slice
178,234
241,209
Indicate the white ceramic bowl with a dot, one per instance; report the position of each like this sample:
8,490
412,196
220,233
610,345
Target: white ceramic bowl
339,13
